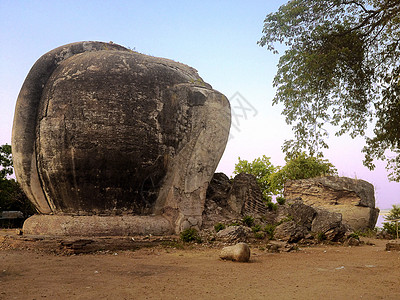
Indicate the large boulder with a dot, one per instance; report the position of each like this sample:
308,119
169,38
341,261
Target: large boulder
239,252
245,196
290,231
234,234
353,198
329,224
218,189
102,130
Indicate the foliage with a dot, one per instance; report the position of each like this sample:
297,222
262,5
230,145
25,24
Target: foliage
269,229
354,235
288,218
172,244
271,205
259,235
280,200
6,164
394,214
190,235
256,228
301,166
369,233
218,227
271,179
320,236
341,67
234,224
13,198
11,195
262,169
248,221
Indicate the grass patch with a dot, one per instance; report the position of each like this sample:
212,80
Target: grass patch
190,235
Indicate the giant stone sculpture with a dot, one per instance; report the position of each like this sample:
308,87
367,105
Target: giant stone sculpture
108,141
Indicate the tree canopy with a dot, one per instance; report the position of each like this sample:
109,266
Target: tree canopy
341,67
6,164
262,169
301,166
11,195
271,179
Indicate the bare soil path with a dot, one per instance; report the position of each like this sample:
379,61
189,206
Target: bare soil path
323,272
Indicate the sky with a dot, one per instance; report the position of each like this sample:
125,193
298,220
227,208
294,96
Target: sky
218,38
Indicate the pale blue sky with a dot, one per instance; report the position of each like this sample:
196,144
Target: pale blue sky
218,38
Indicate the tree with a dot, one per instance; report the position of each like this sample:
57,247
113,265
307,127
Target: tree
271,179
394,214
6,164
341,67
300,166
262,169
11,195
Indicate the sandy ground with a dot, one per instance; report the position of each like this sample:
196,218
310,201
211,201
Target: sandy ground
196,272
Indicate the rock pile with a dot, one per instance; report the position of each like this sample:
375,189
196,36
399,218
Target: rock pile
316,209
352,198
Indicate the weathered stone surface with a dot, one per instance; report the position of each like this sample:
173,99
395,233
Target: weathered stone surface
102,130
302,214
245,196
353,198
234,234
352,242
329,223
218,189
239,252
97,226
291,232
393,246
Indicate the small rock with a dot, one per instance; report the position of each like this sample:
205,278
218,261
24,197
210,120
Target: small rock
352,242
275,246
234,234
239,252
392,246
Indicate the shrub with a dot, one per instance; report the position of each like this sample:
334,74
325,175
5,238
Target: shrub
269,229
259,235
320,236
280,200
256,228
218,227
288,218
354,235
248,221
394,214
271,205
190,235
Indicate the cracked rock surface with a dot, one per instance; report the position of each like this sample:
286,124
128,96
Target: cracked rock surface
102,130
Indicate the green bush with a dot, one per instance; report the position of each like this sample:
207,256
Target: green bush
280,200
320,236
394,214
248,221
256,228
271,205
259,235
234,224
218,227
288,218
269,229
271,179
354,235
190,235
370,233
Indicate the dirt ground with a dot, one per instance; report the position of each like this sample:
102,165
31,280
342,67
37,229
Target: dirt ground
196,272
